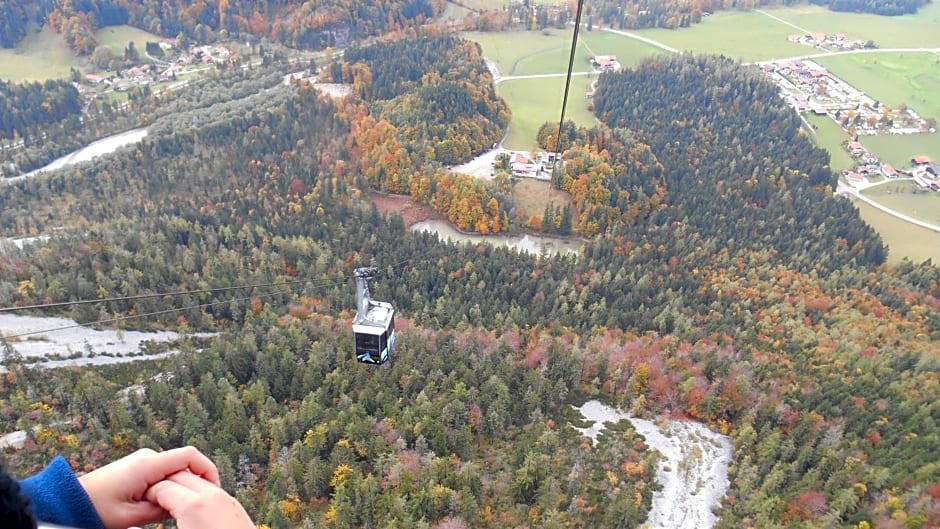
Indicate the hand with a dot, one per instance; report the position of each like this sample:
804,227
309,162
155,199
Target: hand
196,503
119,490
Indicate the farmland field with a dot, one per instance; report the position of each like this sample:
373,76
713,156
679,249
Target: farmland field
748,36
902,238
906,197
830,136
893,78
898,149
44,55
536,52
535,101
38,57
117,37
908,31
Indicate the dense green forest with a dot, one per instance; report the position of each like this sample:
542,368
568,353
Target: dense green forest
724,285
24,106
294,23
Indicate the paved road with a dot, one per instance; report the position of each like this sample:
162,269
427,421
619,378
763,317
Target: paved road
540,76
849,190
852,52
642,39
782,21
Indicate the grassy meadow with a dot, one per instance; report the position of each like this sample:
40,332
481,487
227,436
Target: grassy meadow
43,55
744,35
907,197
898,149
117,37
904,240
39,56
830,136
535,101
893,78
539,52
908,31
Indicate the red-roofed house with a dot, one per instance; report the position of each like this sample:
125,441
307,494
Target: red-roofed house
921,160
889,171
856,148
819,37
855,177
606,62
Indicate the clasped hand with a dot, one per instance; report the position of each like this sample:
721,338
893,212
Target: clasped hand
147,487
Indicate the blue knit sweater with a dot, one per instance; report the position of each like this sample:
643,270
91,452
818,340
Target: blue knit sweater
58,498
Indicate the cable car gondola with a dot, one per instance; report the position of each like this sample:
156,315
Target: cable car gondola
374,324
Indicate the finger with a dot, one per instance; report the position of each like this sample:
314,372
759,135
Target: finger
193,482
187,457
143,512
170,496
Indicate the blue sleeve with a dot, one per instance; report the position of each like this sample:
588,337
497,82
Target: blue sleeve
57,497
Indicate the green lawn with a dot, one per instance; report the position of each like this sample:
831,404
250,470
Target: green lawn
831,137
893,78
902,238
908,198
898,149
535,101
908,31
747,36
117,37
44,55
509,47
38,57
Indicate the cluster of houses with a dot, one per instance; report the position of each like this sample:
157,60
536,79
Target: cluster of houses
160,70
836,41
926,174
922,170
809,87
524,166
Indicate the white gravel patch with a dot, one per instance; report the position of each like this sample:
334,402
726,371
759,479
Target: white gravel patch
98,148
59,337
693,474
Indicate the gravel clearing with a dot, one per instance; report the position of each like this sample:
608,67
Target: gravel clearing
693,472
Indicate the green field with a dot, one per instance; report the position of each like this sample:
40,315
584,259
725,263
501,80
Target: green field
830,136
898,149
117,37
747,36
906,197
43,55
535,101
536,52
893,78
40,56
908,31
904,240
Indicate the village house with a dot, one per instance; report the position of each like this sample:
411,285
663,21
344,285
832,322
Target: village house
918,161
521,165
607,63
856,148
889,171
